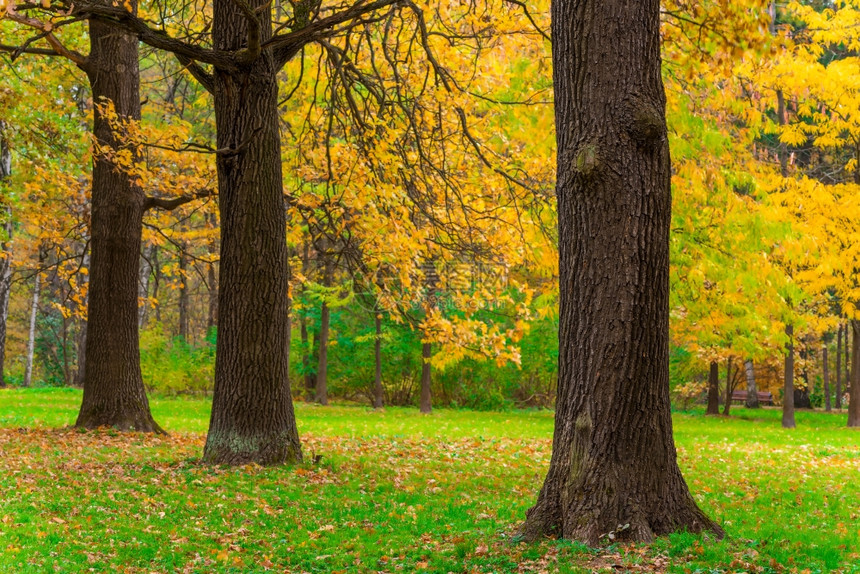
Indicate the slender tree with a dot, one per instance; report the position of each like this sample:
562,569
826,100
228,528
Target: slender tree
788,381
826,374
713,389
377,348
5,256
614,466
752,388
839,367
854,391
727,406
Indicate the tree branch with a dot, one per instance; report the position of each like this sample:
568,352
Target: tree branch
205,79
174,202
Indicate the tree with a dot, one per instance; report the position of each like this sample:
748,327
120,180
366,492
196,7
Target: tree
5,256
614,465
713,389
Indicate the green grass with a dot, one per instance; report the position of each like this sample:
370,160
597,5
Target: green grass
400,492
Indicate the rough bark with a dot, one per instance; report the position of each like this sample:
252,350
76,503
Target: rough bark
713,389
839,368
113,385
252,410
426,403
5,256
727,404
788,383
31,337
752,388
377,381
614,465
826,374
854,391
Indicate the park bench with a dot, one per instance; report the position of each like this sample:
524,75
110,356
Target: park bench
764,397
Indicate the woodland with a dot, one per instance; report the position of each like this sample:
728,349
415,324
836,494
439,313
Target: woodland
429,285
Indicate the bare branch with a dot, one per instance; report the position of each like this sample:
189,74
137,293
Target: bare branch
174,202
202,76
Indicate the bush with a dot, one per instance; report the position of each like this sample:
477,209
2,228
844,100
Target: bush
172,366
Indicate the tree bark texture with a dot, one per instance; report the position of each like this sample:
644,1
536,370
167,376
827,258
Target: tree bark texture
5,256
854,391
252,409
113,385
788,383
752,388
426,403
614,465
377,381
713,389
826,374
839,368
321,388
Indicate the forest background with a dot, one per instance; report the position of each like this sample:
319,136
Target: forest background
454,276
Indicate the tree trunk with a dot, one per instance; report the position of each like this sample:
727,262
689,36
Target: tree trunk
377,383
854,396
183,293
839,368
81,368
847,355
321,388
727,405
31,339
156,282
826,374
145,275
614,466
426,378
5,256
752,388
788,386
252,409
713,389
113,385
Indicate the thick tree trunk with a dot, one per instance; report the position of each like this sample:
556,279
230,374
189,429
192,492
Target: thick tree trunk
252,410
854,396
788,383
826,374
727,404
5,256
377,382
426,404
321,388
113,385
184,302
31,338
752,388
839,368
713,389
614,466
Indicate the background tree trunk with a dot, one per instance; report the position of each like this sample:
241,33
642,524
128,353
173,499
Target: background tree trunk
752,388
713,389
854,396
113,385
31,338
613,460
184,300
377,382
826,374
727,405
426,404
252,409
5,256
321,390
788,383
839,368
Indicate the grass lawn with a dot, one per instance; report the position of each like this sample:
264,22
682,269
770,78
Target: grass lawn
400,492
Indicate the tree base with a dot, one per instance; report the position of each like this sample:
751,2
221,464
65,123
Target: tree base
596,525
235,449
126,420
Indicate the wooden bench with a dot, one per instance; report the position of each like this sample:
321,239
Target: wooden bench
764,397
